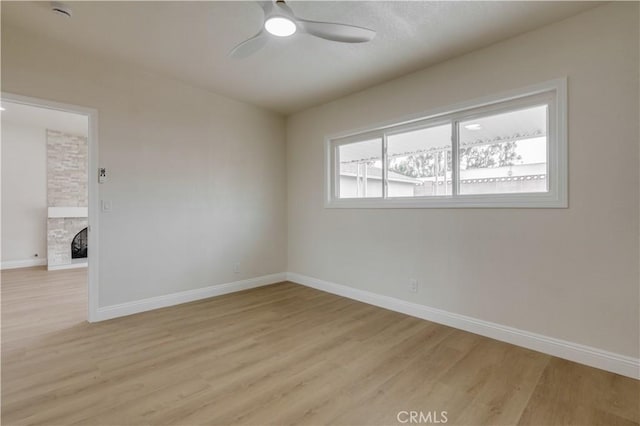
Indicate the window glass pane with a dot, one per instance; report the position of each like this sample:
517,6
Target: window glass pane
360,169
419,162
504,153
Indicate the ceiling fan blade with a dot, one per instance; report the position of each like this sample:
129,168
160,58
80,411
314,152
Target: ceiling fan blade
267,6
337,32
249,46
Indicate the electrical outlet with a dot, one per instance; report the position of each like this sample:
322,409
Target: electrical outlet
413,285
236,268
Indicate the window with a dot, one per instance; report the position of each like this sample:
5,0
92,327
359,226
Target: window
419,162
506,151
361,169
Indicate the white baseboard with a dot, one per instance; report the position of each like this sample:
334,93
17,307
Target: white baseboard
129,308
26,263
67,266
598,358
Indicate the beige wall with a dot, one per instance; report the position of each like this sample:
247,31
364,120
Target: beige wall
24,192
196,180
566,273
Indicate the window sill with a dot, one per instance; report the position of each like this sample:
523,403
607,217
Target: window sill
524,200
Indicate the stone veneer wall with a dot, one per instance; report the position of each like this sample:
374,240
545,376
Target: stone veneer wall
60,233
67,162
67,186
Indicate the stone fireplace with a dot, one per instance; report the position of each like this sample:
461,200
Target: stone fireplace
61,232
67,197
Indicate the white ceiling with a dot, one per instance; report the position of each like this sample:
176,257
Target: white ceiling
27,115
190,41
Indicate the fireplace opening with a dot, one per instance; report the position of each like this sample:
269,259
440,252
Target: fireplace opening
79,245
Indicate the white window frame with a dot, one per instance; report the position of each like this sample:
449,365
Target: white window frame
552,93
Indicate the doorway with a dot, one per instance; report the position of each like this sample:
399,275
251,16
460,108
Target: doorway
49,191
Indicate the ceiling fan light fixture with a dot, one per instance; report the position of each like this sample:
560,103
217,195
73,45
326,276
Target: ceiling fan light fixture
280,21
280,26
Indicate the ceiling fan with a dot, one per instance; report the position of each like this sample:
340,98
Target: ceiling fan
280,21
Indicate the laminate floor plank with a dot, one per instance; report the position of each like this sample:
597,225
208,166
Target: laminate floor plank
277,355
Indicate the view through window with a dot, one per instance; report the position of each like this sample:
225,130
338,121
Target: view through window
501,149
420,162
504,153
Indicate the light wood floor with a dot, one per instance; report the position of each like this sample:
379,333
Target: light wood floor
282,354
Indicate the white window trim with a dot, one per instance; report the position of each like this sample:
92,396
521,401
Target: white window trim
557,158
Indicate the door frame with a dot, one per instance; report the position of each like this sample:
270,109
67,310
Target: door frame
94,201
